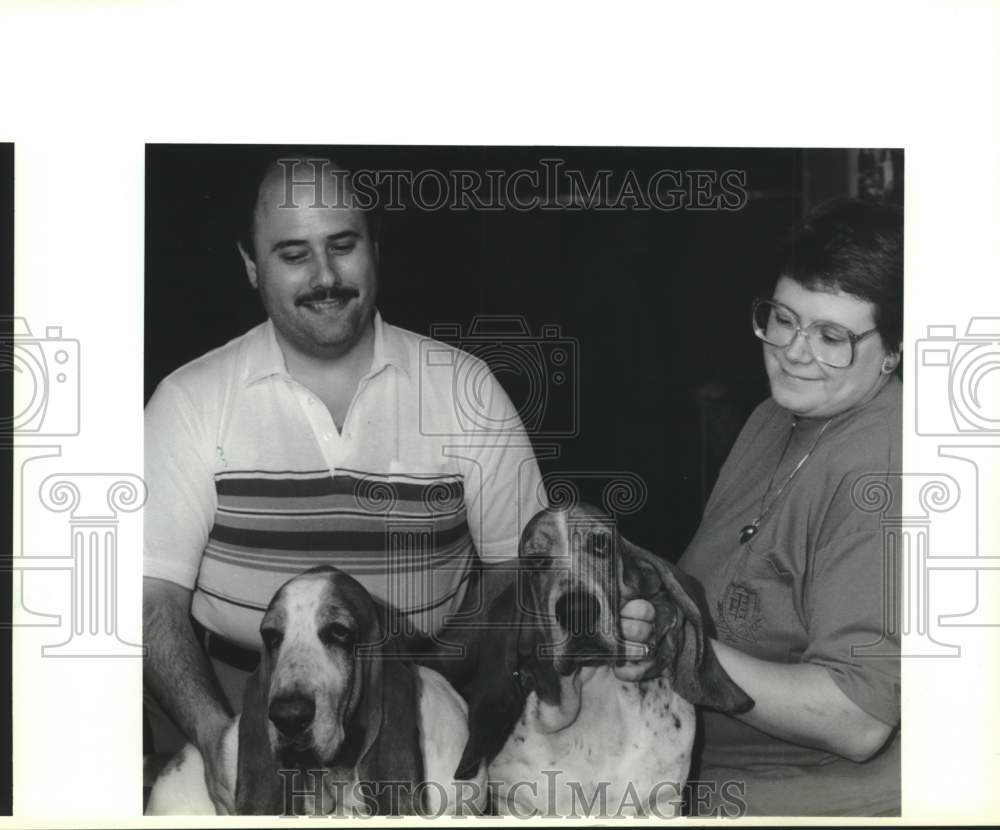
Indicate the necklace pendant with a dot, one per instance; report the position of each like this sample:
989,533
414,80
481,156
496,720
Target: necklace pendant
747,533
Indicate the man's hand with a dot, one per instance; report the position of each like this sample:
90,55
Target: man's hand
179,675
636,618
220,788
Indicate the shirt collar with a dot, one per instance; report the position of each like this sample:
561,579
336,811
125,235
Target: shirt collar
263,357
390,348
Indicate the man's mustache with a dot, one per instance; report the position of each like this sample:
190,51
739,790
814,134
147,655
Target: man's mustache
339,293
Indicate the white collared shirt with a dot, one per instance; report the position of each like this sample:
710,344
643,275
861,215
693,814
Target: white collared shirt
250,481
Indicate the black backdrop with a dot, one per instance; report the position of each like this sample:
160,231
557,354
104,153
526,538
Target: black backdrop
657,301
7,471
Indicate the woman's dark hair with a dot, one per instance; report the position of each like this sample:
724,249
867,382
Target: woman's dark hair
856,247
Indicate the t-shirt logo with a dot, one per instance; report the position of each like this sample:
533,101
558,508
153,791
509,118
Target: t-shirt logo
739,611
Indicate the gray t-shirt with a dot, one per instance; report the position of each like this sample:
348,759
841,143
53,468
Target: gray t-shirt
811,586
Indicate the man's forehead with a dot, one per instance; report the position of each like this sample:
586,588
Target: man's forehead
305,182
292,201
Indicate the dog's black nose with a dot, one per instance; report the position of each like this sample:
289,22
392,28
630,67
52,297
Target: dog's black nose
578,612
292,715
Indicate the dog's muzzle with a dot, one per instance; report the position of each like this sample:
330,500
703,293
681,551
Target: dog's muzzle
582,622
292,715
578,612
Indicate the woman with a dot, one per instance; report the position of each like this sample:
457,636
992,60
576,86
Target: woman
791,564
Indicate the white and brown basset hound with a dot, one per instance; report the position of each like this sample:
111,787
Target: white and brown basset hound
333,695
561,734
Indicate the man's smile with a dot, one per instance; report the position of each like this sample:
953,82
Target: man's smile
328,302
325,306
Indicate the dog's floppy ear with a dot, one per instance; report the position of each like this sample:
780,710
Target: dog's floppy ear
388,711
681,631
258,784
507,647
497,690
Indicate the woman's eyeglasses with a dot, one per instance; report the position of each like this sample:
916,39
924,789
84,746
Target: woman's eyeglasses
831,344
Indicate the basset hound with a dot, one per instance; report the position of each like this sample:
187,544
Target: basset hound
561,734
334,701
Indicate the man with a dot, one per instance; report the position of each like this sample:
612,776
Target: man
300,443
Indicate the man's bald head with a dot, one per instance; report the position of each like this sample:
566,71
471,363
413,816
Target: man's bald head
298,180
309,254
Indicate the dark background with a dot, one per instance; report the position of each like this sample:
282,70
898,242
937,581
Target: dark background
658,302
6,470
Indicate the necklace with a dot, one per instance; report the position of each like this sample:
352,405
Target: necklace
747,532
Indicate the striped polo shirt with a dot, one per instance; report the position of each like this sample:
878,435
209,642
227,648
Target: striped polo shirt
250,481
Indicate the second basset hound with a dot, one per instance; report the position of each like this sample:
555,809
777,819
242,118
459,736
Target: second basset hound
335,720
561,734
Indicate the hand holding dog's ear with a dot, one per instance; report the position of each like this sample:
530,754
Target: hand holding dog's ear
681,650
637,623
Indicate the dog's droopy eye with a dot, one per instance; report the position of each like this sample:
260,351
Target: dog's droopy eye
600,544
271,637
336,633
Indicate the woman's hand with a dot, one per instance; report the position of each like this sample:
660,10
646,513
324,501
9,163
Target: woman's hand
801,703
636,622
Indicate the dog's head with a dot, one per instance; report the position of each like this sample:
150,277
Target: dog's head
570,587
562,616
322,693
